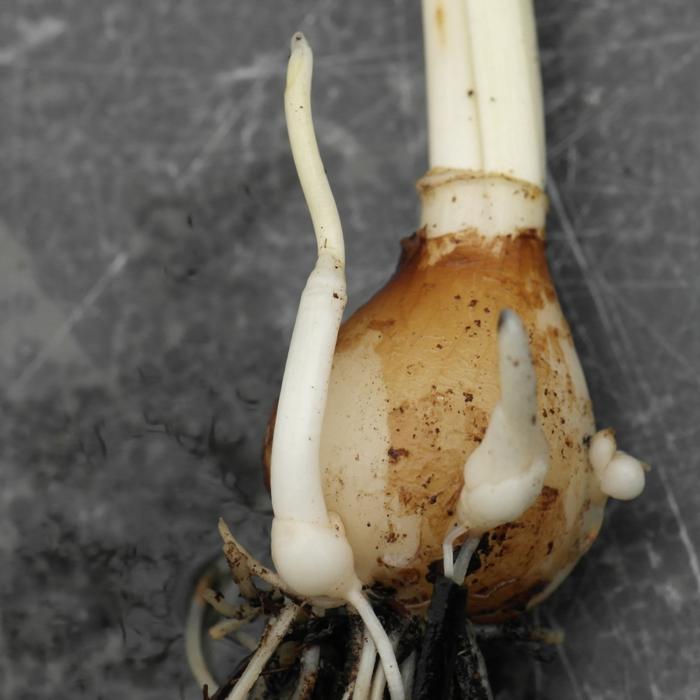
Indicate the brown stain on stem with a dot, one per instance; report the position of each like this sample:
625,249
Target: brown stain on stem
440,23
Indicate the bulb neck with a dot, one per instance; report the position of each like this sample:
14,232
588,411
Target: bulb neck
492,204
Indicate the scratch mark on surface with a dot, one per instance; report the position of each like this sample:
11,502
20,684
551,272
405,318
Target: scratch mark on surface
33,35
211,145
579,256
659,339
565,661
615,104
92,295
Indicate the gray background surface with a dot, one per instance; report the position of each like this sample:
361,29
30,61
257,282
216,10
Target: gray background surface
153,243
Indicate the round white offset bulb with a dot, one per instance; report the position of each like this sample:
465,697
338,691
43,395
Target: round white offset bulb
623,478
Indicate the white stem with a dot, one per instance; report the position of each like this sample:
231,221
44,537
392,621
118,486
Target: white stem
508,87
368,656
453,119
484,94
271,638
382,642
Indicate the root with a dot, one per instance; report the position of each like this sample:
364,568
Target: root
194,650
368,657
272,636
244,566
310,660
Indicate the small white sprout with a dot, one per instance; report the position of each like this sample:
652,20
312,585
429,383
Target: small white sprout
621,476
311,552
504,475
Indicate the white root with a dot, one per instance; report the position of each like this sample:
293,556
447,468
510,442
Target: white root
505,473
243,565
223,607
463,558
309,547
310,660
226,627
385,648
194,651
368,657
448,545
408,671
272,636
379,681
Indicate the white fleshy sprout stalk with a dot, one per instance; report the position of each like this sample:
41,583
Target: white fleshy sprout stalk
311,553
504,475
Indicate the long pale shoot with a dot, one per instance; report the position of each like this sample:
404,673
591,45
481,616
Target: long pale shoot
309,547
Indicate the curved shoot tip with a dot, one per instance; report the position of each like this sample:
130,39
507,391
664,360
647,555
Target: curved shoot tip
517,374
307,158
298,42
300,64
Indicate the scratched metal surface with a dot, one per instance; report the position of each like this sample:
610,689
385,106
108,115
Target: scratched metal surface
153,241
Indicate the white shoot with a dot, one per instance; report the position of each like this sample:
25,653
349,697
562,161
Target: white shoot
297,492
505,473
312,555
307,158
621,476
271,638
483,84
